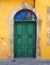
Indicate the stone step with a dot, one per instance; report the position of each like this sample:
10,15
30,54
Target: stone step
25,61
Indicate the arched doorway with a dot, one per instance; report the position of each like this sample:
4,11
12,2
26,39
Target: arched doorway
11,21
25,30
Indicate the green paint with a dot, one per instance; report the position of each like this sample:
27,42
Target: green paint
25,39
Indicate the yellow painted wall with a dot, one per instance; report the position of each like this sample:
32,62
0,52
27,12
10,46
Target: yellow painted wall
6,6
41,6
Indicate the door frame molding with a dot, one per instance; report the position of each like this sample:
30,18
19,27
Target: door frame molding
25,5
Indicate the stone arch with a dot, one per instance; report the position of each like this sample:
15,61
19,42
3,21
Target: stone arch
25,5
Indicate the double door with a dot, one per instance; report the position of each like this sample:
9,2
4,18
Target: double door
25,39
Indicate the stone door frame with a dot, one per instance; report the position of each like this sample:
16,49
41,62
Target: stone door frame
25,5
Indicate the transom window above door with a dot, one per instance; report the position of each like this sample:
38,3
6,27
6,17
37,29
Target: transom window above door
25,15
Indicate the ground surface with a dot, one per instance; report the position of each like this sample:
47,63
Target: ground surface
25,62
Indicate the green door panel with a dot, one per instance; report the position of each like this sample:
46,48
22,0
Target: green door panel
19,29
24,39
30,29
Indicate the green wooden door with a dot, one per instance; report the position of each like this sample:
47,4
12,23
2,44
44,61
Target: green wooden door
24,39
